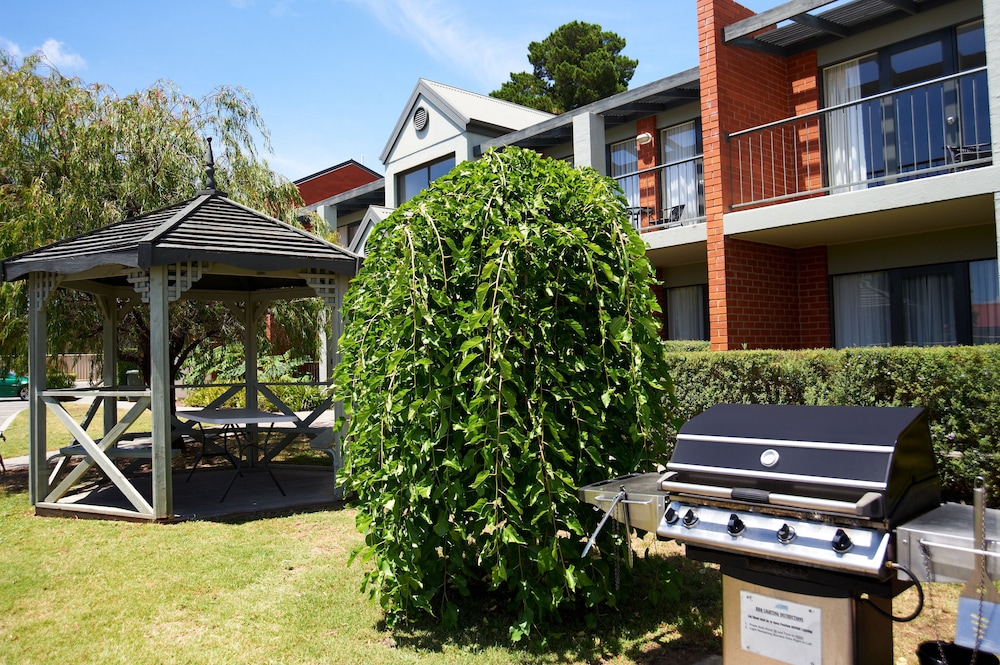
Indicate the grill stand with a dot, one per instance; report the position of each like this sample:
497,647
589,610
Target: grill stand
846,629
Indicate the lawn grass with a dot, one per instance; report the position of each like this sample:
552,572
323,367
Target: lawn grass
277,590
280,590
16,444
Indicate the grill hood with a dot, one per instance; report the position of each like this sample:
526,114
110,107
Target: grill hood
877,458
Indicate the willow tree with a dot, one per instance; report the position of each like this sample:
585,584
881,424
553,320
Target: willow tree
75,157
501,352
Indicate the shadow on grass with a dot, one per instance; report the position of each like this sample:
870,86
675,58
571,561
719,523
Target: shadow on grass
669,611
14,480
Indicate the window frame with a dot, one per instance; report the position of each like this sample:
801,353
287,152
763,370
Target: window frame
890,146
961,295
428,167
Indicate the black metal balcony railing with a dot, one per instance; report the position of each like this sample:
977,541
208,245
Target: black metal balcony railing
676,191
939,126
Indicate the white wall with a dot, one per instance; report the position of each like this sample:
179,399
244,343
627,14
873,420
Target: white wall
440,138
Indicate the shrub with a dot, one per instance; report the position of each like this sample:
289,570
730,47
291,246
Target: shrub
226,364
56,378
501,352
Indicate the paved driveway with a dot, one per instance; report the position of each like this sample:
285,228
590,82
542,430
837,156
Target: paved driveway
9,406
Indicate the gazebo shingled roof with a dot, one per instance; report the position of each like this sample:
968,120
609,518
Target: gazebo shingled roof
208,227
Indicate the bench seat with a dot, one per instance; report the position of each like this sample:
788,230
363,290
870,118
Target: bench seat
132,449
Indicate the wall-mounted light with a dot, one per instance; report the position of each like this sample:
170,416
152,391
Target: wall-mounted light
644,138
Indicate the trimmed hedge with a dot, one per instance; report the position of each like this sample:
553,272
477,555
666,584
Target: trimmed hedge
957,385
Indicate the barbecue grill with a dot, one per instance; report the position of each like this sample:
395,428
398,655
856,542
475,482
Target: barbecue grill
798,505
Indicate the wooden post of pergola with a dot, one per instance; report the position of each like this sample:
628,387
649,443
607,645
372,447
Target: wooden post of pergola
208,248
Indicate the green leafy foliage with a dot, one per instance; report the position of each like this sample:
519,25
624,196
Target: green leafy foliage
577,64
500,352
227,364
957,385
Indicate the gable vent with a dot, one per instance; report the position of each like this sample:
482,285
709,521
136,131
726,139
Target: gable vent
420,118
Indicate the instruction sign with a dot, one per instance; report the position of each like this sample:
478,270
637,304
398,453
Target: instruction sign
781,630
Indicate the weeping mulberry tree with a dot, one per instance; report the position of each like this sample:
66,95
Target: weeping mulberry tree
501,351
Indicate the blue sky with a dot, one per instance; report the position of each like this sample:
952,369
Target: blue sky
331,76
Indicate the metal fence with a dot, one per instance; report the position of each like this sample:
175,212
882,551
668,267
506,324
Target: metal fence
666,195
939,126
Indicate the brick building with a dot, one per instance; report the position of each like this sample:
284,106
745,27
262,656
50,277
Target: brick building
824,177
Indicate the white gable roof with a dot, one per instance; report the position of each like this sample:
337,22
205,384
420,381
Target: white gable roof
373,216
465,108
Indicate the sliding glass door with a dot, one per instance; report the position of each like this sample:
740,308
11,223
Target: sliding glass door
901,113
936,305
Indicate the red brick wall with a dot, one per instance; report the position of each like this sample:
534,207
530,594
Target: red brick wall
754,289
803,77
649,183
762,295
779,297
814,299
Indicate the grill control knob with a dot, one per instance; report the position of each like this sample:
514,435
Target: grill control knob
786,534
736,525
841,541
671,516
690,519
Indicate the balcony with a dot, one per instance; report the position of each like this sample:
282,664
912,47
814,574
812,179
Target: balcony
936,127
665,196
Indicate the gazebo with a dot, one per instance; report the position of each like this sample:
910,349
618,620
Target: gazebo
208,248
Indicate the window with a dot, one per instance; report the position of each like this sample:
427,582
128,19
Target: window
853,131
974,110
928,309
985,293
624,164
913,130
348,232
861,309
946,304
683,173
687,312
411,183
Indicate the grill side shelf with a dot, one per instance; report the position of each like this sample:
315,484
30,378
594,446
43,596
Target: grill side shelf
644,500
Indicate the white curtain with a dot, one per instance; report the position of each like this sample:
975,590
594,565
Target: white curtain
625,159
847,161
681,192
686,312
929,311
861,309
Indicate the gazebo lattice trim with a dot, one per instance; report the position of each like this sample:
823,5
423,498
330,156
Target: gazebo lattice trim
180,278
41,288
324,284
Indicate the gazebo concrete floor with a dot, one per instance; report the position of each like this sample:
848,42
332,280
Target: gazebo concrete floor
252,495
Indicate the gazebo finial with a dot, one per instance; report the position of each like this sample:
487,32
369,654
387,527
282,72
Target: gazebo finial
209,166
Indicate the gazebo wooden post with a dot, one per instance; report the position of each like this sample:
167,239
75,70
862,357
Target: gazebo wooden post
250,316
38,293
161,392
324,373
109,350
